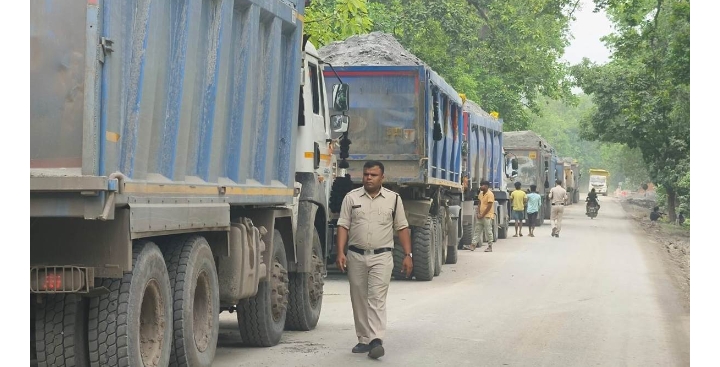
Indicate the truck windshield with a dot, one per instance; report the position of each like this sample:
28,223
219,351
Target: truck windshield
600,180
527,169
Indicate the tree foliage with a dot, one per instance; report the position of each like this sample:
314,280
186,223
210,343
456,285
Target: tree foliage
502,54
332,20
559,123
642,95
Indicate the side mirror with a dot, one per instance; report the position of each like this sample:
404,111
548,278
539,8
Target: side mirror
513,174
341,97
514,163
339,123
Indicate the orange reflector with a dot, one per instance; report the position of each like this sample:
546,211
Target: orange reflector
53,281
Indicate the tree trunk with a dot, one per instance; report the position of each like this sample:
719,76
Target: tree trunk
671,202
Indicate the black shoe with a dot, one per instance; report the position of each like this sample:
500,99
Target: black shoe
376,349
361,348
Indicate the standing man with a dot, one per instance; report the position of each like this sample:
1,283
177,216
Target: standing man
370,214
485,216
533,207
519,198
557,195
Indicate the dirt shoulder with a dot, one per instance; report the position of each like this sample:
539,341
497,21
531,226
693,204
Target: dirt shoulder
674,239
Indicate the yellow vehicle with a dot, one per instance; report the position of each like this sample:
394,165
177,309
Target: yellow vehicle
598,181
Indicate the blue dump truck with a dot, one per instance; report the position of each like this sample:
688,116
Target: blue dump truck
409,118
181,162
483,159
536,162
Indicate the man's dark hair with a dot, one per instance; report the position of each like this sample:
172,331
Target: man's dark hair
517,185
533,188
485,182
371,164
656,208
558,181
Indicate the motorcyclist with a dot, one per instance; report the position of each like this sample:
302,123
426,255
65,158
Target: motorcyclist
592,198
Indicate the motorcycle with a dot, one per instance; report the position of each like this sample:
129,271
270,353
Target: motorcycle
592,210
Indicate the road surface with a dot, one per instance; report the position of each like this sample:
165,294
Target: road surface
599,295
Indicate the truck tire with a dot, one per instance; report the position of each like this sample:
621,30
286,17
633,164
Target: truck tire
547,208
196,301
467,236
502,231
261,318
132,324
452,249
423,251
61,335
306,292
437,269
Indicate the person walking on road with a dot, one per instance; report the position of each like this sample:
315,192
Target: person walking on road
519,199
485,217
557,195
368,217
533,207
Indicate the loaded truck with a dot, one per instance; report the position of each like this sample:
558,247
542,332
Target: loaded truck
536,162
572,178
599,181
407,117
482,159
180,167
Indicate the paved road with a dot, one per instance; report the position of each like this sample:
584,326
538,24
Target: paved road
597,296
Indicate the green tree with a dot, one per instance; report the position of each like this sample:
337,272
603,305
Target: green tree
642,95
559,123
333,20
502,54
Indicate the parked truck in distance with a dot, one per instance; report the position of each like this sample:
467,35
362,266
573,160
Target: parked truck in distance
536,160
180,167
599,181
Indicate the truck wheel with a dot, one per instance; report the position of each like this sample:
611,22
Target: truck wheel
261,318
132,324
452,249
306,292
437,269
61,334
502,231
467,236
547,208
423,251
196,301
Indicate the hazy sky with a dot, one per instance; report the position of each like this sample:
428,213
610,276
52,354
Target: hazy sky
587,30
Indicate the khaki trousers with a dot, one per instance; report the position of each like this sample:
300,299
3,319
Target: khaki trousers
483,225
556,214
369,277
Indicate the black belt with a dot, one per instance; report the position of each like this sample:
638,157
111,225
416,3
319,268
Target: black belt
367,252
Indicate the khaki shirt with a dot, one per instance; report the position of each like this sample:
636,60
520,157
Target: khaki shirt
558,195
369,220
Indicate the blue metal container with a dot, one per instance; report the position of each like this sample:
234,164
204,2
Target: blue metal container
184,98
391,120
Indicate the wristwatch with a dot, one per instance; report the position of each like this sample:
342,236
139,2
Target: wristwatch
410,254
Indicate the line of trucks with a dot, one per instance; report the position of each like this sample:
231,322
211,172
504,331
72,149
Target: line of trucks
188,158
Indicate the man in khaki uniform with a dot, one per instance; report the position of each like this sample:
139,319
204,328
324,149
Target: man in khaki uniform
557,195
370,214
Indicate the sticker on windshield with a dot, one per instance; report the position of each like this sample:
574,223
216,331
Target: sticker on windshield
532,155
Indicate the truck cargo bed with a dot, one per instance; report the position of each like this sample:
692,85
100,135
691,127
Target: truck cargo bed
181,99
